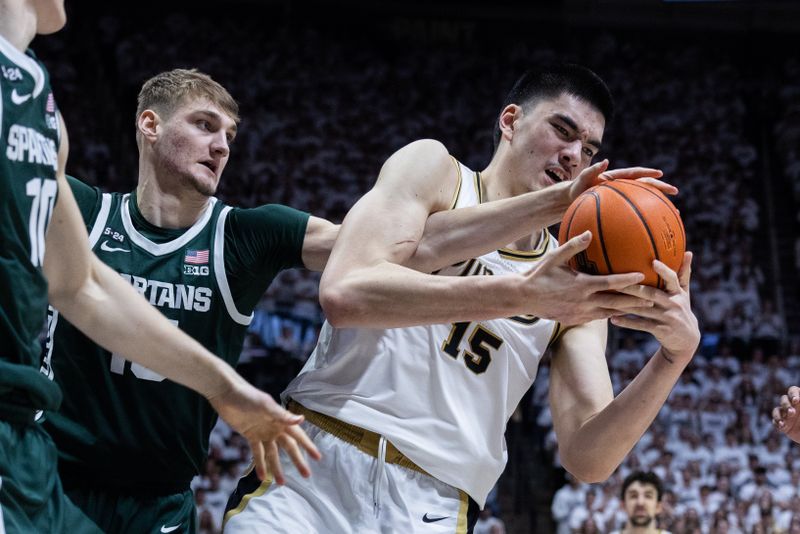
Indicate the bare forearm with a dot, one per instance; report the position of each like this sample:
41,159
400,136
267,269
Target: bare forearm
390,296
112,314
449,236
600,445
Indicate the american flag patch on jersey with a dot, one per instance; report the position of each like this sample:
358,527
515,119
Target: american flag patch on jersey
197,257
50,106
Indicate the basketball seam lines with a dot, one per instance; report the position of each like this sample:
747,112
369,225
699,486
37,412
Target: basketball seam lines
644,223
600,231
672,208
572,218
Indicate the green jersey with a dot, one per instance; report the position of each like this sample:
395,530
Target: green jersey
121,425
29,139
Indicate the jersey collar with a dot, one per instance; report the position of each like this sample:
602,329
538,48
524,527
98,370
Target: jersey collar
160,249
26,63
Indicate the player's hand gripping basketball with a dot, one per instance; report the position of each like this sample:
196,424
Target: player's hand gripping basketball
786,416
598,173
267,427
556,291
670,318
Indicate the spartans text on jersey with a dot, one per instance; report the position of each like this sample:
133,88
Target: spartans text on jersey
174,296
40,149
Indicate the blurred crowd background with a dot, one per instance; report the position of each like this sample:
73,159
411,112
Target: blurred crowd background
710,96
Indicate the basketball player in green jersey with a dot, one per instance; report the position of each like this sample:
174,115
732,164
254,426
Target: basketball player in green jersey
33,190
130,442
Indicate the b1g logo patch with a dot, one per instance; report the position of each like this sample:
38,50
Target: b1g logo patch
196,270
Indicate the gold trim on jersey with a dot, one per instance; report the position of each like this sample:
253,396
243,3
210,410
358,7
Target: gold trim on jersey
479,186
364,440
466,270
260,490
463,508
532,255
525,319
458,186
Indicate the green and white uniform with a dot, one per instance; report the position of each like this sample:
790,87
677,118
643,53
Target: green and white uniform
123,430
31,499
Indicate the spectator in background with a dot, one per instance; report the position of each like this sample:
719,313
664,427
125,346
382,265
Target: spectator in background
769,329
641,498
759,485
591,509
566,499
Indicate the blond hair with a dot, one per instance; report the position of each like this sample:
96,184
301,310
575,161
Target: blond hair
164,92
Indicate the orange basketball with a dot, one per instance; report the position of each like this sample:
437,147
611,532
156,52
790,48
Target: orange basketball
632,224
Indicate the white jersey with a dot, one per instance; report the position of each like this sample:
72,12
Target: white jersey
442,393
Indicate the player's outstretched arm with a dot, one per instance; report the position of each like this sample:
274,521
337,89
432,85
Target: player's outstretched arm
786,416
595,431
98,301
382,233
450,236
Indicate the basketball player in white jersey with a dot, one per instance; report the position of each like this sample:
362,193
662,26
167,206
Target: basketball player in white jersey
410,421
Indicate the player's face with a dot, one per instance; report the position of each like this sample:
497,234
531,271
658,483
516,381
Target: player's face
194,145
554,140
641,504
50,16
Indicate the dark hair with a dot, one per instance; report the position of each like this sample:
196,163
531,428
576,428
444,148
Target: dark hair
551,81
645,478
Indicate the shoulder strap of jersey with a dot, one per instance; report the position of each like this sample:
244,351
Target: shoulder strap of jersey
468,192
219,270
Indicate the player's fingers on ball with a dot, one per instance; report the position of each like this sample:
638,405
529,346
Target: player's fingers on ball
596,169
621,302
274,462
644,292
633,173
664,187
614,282
575,245
670,277
685,272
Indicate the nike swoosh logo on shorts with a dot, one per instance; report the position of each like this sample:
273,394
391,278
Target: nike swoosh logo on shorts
165,528
105,246
19,99
426,519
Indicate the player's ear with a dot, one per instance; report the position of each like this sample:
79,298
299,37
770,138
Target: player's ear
506,121
147,124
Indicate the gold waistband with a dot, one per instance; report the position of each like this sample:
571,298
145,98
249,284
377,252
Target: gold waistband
366,441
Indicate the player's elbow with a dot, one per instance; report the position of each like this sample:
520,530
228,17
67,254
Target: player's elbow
63,290
425,258
587,466
586,470
340,308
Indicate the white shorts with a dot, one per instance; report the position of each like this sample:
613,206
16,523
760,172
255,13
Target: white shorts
349,491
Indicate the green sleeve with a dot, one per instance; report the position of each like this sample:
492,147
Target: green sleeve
260,243
87,197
